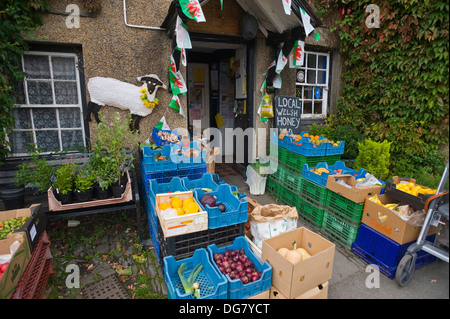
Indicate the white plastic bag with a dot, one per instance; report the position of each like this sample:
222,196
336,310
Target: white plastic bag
369,180
271,220
256,182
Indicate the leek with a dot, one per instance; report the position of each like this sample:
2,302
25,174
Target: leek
189,282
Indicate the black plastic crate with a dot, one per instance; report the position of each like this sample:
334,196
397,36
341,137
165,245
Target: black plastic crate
184,246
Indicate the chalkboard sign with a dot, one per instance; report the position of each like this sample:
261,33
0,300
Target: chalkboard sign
288,112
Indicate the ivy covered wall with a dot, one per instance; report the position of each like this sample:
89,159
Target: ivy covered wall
395,84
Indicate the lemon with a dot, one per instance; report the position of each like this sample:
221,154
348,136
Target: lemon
411,185
180,211
176,202
164,206
188,201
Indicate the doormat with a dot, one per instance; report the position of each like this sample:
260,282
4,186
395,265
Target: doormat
224,169
107,288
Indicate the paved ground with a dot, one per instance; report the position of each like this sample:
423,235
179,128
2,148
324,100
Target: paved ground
349,271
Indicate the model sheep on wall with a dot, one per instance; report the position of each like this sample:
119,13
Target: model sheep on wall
139,100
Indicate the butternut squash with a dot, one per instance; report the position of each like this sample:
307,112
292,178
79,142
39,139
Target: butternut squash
304,253
283,251
293,255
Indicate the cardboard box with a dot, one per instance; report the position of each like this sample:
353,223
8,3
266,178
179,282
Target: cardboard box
388,223
294,280
355,194
35,224
17,264
184,224
319,292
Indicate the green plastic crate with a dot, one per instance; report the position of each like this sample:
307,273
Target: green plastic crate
313,191
273,187
345,208
287,179
288,198
339,229
312,213
295,162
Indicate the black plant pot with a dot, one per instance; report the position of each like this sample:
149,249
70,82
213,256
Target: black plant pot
13,197
66,198
100,193
84,196
117,191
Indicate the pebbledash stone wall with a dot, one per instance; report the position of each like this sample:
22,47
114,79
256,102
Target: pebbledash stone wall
110,48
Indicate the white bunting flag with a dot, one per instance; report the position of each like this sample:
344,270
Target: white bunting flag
306,19
287,6
282,61
183,38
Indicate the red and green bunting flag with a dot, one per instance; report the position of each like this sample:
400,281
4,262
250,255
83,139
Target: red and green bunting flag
221,4
299,53
287,6
193,10
176,105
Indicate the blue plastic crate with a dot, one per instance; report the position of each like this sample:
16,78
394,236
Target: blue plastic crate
236,209
335,150
166,176
212,285
375,248
154,187
159,141
207,182
183,162
322,178
236,289
153,230
152,165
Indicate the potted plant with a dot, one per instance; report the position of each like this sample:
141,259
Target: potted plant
114,149
84,184
63,185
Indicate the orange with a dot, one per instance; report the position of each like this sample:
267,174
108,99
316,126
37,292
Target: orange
306,135
176,202
164,206
191,208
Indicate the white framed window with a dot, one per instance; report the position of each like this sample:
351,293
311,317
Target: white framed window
48,108
312,84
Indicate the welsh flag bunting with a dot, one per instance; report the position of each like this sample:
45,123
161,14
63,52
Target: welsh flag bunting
183,56
193,10
162,125
306,19
299,53
282,60
183,38
287,6
221,4
176,105
177,84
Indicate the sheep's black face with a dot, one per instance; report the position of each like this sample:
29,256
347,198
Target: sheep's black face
152,84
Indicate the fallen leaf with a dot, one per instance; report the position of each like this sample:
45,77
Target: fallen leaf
91,267
433,281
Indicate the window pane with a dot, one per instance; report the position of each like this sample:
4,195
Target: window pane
321,62
48,141
63,68
299,92
311,60
40,92
308,92
317,93
44,118
66,93
311,77
20,142
19,92
22,118
72,139
69,117
307,107
36,66
318,107
321,77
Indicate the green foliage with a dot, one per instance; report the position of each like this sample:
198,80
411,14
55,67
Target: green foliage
111,145
65,176
84,179
17,18
37,173
396,81
374,157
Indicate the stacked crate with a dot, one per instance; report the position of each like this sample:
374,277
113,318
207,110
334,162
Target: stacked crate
287,183
162,177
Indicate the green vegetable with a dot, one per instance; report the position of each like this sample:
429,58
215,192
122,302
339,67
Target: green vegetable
156,156
188,284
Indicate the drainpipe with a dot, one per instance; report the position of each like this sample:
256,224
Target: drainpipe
136,26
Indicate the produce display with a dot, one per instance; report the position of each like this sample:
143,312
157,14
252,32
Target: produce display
211,201
170,137
294,254
413,189
179,207
315,139
3,268
11,225
237,265
189,284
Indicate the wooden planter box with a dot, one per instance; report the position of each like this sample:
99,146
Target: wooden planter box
55,205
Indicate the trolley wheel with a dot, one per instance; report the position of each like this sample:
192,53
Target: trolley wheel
405,270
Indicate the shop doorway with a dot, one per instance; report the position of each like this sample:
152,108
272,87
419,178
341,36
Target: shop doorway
218,85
